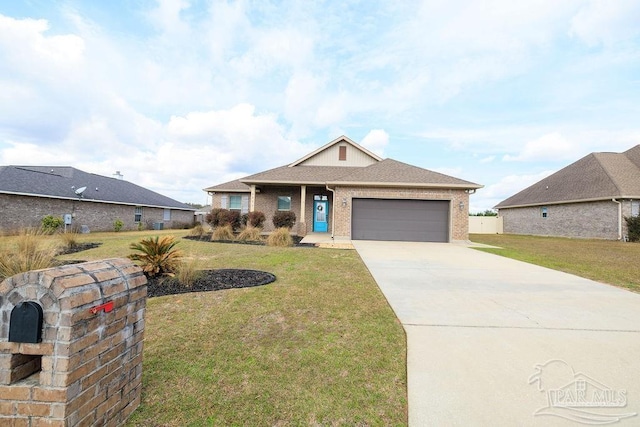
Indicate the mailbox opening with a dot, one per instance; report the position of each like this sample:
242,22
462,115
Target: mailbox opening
26,323
23,366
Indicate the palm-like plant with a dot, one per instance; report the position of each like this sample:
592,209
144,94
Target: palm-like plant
158,255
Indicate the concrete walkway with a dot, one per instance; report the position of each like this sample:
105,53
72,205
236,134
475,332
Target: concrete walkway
493,341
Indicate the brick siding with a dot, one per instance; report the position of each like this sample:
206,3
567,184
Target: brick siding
88,368
27,211
597,220
267,199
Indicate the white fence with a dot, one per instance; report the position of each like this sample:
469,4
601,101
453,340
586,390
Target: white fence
485,225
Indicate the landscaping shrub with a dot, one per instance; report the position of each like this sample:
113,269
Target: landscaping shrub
32,253
51,224
256,219
197,230
227,217
223,232
158,255
280,237
117,225
187,272
69,239
181,225
212,217
284,219
633,228
250,234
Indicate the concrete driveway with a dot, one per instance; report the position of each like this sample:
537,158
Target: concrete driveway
493,341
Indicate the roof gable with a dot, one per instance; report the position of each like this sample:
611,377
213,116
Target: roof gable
597,176
61,182
329,154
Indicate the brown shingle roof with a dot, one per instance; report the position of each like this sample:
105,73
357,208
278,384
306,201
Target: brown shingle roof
230,187
394,173
387,172
597,176
298,175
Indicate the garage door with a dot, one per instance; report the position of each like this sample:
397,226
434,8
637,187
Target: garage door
400,220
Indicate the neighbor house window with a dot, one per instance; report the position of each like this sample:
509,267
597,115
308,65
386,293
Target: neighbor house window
138,215
284,203
342,152
167,215
544,212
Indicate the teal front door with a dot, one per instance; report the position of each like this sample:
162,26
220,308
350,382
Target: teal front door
320,215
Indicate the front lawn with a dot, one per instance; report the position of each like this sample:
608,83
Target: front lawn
319,346
605,261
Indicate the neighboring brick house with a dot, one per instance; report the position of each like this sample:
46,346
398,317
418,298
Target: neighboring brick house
29,193
347,191
589,199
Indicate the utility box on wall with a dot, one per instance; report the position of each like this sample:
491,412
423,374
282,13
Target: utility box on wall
71,343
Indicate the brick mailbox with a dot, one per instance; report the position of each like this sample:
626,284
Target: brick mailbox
71,345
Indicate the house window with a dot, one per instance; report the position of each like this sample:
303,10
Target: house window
544,212
342,153
635,208
284,203
235,203
138,214
167,215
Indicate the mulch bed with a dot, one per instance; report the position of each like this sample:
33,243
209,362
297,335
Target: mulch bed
207,238
79,247
210,280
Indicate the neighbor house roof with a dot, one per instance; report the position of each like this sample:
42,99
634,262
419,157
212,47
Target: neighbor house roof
597,176
62,182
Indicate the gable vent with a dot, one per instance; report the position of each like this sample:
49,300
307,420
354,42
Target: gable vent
342,153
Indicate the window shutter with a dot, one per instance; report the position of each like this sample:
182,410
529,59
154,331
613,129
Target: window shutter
245,204
223,201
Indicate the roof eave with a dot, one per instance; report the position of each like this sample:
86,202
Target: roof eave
95,201
564,202
405,184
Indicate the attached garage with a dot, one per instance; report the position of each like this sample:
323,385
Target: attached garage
400,220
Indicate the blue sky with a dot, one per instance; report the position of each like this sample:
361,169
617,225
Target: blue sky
181,95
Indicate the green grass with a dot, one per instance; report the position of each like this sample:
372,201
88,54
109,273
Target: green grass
605,261
320,346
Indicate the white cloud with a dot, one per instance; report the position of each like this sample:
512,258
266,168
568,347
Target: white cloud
376,141
549,147
492,194
606,22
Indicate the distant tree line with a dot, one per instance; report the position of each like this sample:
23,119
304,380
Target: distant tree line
488,212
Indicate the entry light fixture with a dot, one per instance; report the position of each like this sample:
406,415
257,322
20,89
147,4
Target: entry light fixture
344,202
461,205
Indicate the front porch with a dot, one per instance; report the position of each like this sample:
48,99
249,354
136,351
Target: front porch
324,240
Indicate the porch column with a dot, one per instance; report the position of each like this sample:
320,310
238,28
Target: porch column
252,199
303,200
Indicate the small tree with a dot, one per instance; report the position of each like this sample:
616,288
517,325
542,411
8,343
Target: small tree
284,219
633,228
117,225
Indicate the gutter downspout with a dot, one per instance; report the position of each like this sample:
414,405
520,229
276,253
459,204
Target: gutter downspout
333,210
619,218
